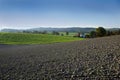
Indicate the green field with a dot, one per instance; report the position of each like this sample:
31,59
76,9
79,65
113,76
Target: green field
70,33
28,38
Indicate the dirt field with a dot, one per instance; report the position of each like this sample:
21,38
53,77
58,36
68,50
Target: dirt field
92,59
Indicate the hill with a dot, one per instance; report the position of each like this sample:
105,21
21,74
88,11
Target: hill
11,30
72,29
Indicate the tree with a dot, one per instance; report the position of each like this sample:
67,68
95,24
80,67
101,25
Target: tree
87,36
93,34
108,33
100,32
44,32
55,33
62,34
67,33
118,32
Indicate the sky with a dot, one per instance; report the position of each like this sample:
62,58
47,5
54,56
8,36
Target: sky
22,14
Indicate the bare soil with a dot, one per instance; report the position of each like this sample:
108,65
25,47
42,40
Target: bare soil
91,59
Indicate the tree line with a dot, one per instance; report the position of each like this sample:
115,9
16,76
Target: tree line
45,32
101,32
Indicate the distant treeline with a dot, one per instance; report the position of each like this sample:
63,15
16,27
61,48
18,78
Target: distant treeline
45,32
36,32
98,32
101,32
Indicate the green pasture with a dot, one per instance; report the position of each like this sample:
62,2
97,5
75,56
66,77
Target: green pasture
29,38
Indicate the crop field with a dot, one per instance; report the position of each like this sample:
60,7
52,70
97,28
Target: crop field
90,59
27,38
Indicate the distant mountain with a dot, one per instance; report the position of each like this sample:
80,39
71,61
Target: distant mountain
72,29
113,29
11,30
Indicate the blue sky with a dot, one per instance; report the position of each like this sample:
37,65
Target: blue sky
59,13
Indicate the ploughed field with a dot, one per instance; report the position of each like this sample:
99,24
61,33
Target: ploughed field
91,59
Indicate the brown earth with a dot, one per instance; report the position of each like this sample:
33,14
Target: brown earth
91,59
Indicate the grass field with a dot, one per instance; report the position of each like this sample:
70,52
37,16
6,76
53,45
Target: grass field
70,33
27,38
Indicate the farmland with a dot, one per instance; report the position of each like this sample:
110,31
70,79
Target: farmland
29,38
90,59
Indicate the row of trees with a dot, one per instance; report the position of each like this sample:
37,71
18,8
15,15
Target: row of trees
45,32
100,32
57,33
36,32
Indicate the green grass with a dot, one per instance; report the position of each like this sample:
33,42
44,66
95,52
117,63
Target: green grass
70,33
27,38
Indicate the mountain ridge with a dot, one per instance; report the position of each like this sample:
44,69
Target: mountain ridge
49,29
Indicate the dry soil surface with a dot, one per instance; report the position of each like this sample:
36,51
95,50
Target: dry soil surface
91,59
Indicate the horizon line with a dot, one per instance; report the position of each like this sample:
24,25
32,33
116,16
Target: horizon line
24,28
